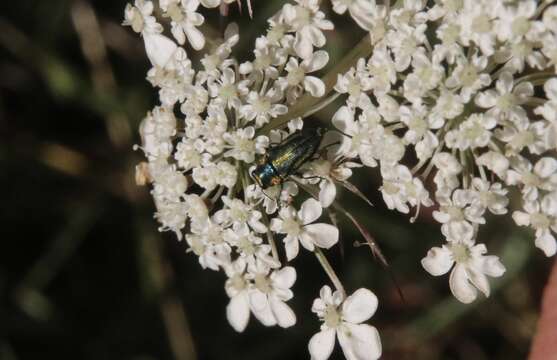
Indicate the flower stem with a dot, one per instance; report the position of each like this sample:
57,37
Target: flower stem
541,74
321,105
329,270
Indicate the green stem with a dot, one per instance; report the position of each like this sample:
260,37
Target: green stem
270,238
535,76
321,105
329,270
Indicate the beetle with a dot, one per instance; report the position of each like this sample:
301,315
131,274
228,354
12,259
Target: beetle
284,159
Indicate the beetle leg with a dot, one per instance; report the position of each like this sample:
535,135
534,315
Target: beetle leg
312,177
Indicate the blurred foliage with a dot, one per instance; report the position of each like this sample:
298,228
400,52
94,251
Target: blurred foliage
84,274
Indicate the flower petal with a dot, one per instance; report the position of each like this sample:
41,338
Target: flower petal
327,193
323,235
159,48
546,242
359,306
292,247
195,37
479,280
343,119
259,305
318,61
283,313
310,211
237,311
210,3
438,261
315,86
321,345
545,167
303,46
285,277
460,286
493,267
360,342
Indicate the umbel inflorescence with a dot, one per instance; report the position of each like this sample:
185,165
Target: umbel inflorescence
467,88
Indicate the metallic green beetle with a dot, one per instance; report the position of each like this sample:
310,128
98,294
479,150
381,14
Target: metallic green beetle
284,159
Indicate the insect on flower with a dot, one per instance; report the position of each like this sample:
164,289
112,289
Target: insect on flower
284,159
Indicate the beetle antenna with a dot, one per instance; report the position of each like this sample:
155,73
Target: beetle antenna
341,132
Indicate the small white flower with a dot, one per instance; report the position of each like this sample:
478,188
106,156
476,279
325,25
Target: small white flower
476,24
238,213
263,108
446,178
355,83
474,132
328,171
445,8
495,162
140,19
237,288
296,79
522,133
268,295
226,174
189,153
514,23
382,70
550,18
159,49
196,208
343,318
206,176
542,217
273,196
267,56
457,222
362,11
185,21
449,49
549,109
171,215
549,47
405,42
226,91
156,131
219,59
517,55
490,196
206,240
542,175
505,101
298,227
426,76
243,146
170,184
308,22
420,130
357,142
471,266
400,188
468,76
448,106
249,246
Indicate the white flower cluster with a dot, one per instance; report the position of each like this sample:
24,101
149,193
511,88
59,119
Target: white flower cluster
465,91
468,89
202,140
